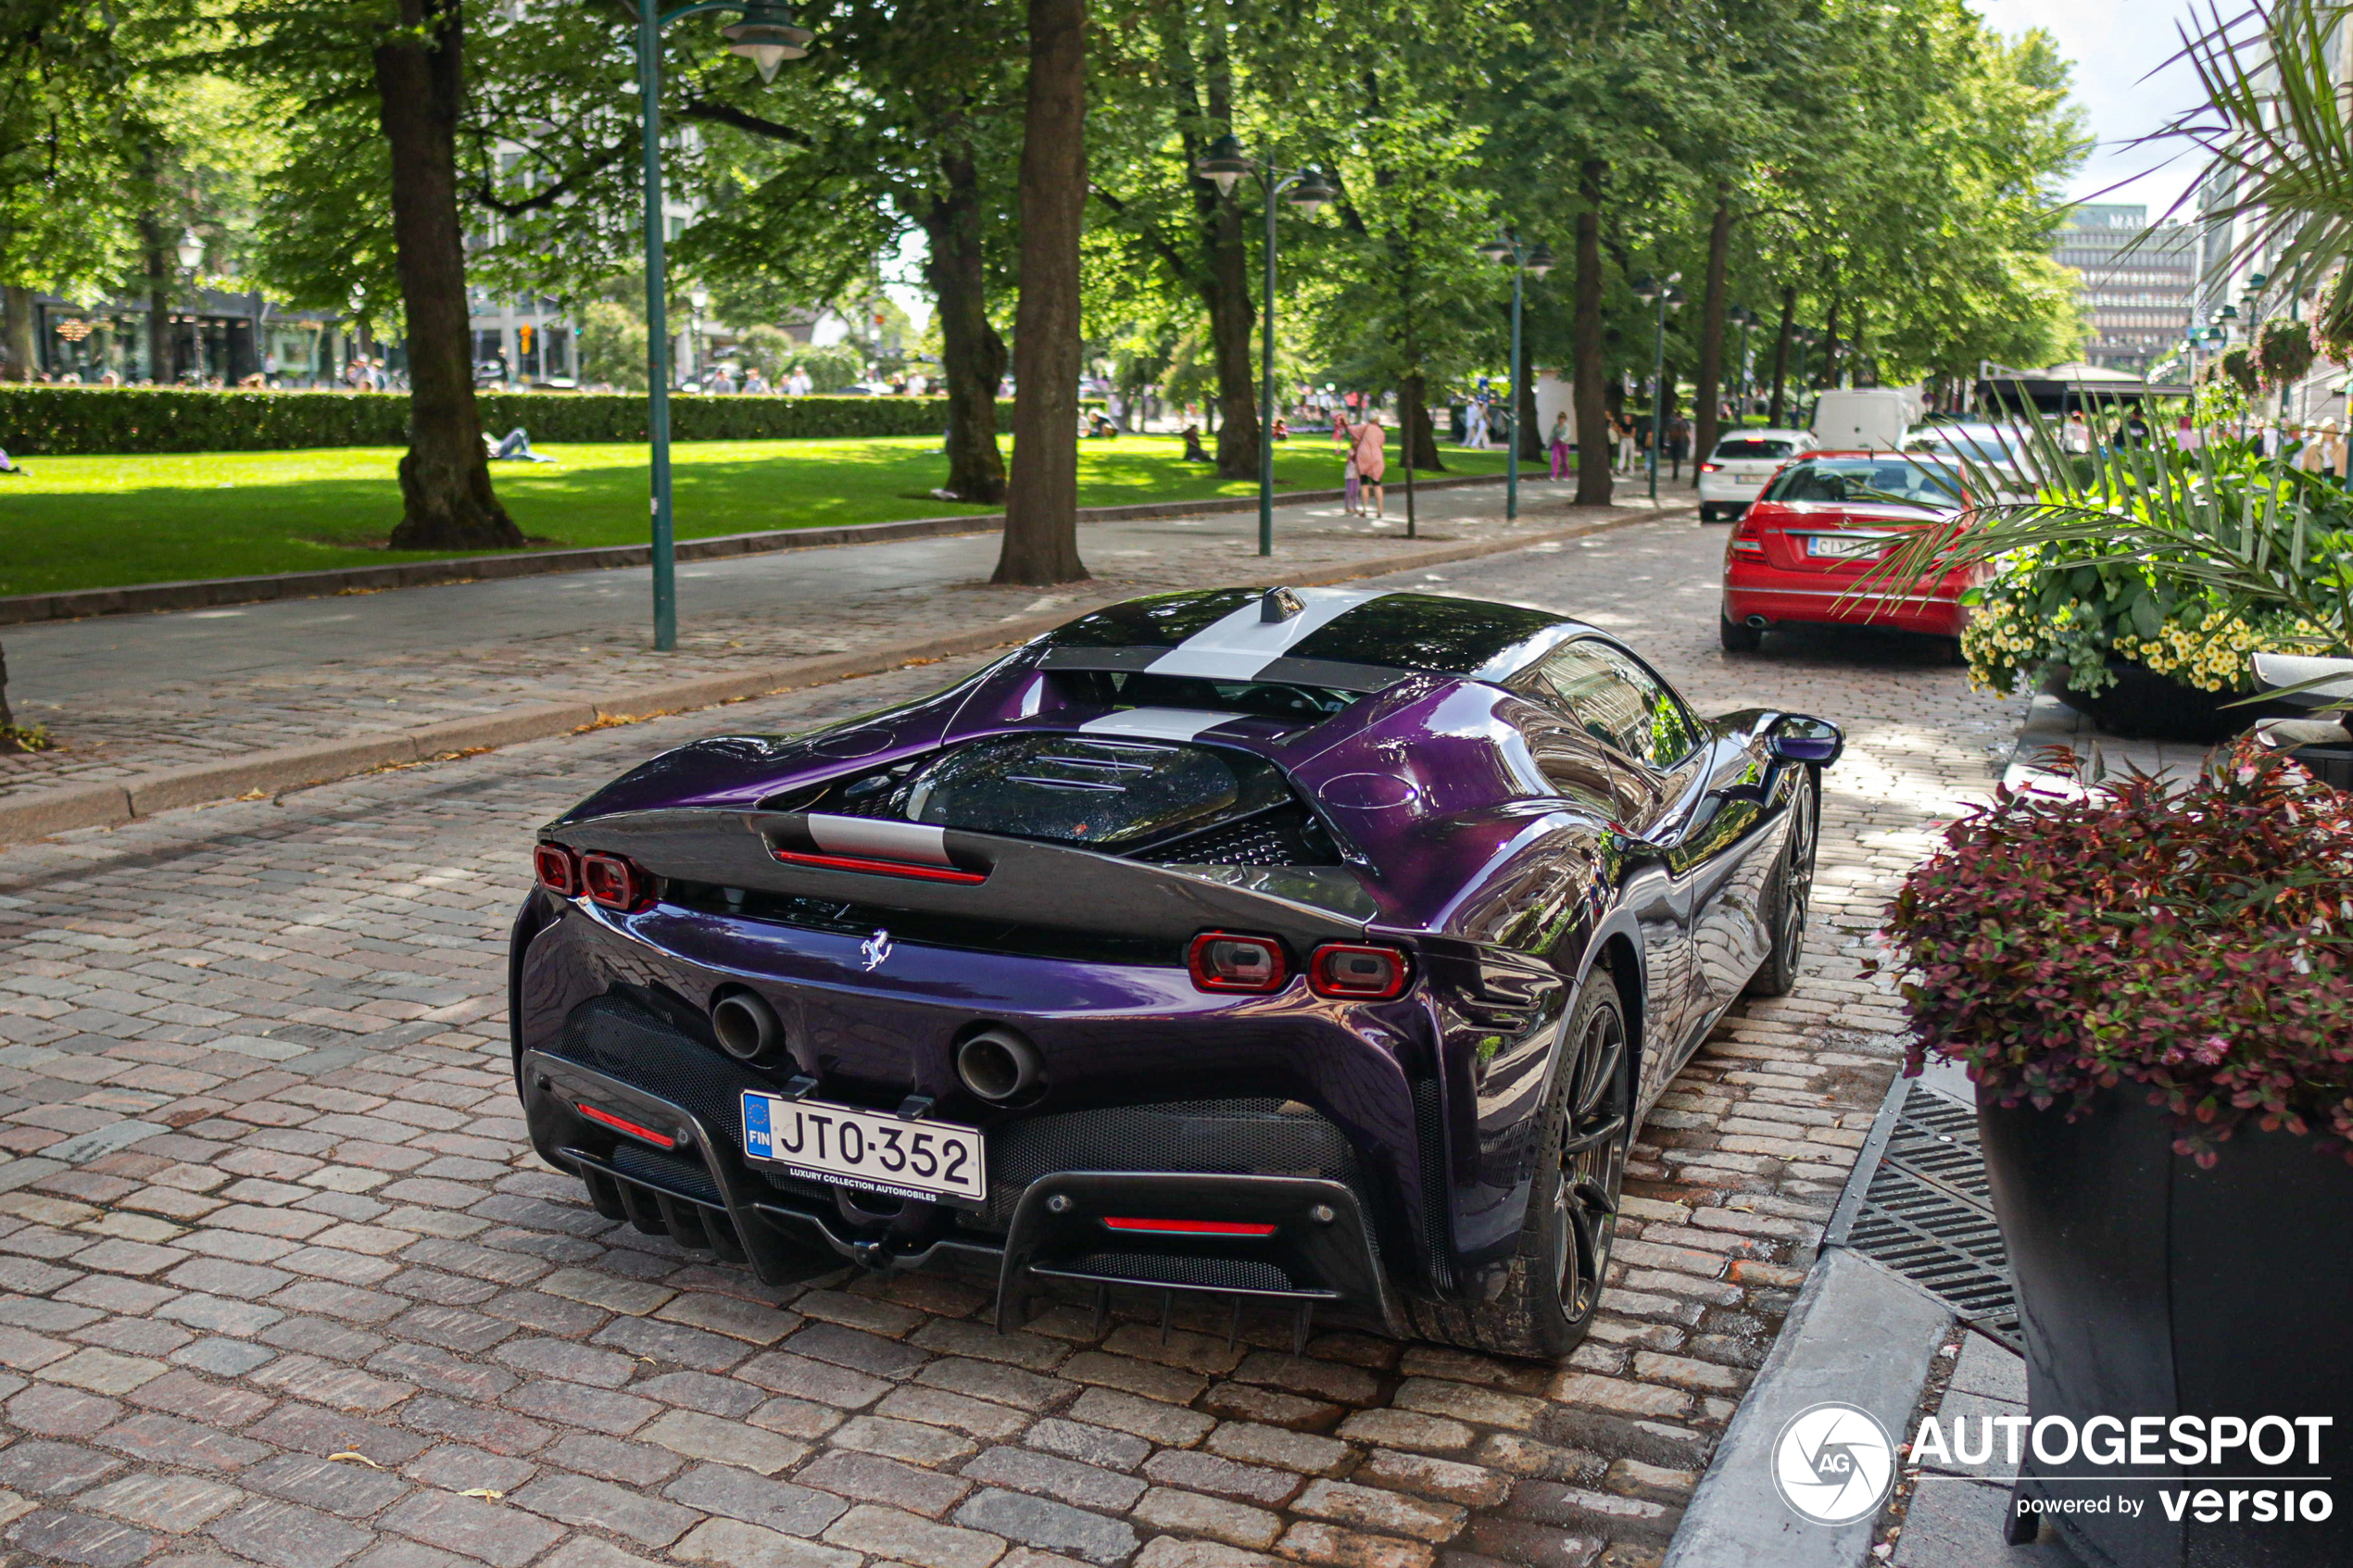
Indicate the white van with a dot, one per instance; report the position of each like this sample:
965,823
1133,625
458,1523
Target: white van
1868,420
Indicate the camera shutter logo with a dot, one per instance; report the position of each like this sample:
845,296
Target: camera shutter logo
1833,1464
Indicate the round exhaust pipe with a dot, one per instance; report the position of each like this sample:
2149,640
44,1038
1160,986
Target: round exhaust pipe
1759,623
747,1027
997,1065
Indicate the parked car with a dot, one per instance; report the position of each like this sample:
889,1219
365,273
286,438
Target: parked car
1311,946
1731,476
1803,549
1872,419
1993,451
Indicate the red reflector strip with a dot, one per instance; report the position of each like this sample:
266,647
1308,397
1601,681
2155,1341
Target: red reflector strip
1189,1227
619,1124
878,868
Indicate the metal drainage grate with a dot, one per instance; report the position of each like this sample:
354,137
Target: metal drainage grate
1918,1203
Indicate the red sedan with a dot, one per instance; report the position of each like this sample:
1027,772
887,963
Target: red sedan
1822,523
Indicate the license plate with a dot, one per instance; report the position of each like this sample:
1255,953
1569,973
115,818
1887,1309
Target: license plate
1843,549
866,1150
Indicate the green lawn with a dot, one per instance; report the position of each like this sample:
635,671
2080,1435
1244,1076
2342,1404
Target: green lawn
95,523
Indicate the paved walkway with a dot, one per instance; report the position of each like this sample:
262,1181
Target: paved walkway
281,1284
128,693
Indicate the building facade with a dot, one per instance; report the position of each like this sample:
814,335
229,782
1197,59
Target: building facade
2140,285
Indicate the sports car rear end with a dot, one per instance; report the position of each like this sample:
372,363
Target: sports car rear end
1053,975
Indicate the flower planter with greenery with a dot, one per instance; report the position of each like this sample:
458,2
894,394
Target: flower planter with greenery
2153,993
2141,653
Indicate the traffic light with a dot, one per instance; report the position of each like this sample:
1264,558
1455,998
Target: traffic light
523,339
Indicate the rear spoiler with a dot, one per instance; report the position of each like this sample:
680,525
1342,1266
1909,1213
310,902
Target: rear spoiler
981,877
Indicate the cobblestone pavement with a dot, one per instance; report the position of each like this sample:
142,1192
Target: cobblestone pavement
282,1283
126,694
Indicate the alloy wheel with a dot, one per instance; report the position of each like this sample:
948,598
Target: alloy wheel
1592,1164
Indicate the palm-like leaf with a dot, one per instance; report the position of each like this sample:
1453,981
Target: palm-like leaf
2276,131
2265,537
2261,534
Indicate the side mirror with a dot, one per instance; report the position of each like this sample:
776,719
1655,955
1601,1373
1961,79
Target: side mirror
1796,737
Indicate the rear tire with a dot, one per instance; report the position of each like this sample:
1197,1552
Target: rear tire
1739,637
1790,895
1554,1280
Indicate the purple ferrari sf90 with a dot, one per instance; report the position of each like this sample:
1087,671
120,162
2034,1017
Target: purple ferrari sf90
1307,946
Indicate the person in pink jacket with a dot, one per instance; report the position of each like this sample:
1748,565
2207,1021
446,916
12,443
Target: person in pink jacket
1368,443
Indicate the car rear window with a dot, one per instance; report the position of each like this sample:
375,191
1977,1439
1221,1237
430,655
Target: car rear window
1750,446
1879,480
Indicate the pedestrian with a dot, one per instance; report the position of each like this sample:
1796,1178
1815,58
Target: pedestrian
10,468
1679,444
1621,443
1560,444
516,449
1351,484
1475,431
2077,436
1193,452
1370,442
2331,450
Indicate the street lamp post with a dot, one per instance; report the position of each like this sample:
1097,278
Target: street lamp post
1668,297
1507,249
1225,164
765,34
190,253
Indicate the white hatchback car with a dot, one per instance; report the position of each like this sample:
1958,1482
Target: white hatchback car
1743,459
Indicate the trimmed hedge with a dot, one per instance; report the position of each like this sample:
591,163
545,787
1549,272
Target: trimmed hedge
81,420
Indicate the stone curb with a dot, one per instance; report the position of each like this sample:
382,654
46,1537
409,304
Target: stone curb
197,594
1859,1335
111,804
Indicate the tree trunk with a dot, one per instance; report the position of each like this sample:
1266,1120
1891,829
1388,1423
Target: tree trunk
16,347
1594,476
1225,291
971,357
1232,319
446,499
1041,504
1711,332
1421,438
1829,380
1855,359
1781,355
7,719
156,247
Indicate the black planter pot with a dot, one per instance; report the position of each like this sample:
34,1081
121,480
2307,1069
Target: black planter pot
2149,1286
2147,706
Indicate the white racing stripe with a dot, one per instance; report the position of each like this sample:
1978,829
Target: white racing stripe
1155,723
1244,642
878,839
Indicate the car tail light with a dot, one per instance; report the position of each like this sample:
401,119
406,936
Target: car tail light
615,883
1357,973
622,1124
1189,1227
1220,961
558,868
1710,467
1746,538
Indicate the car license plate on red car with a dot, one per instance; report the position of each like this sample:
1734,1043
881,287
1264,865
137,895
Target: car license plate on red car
1843,549
866,1149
